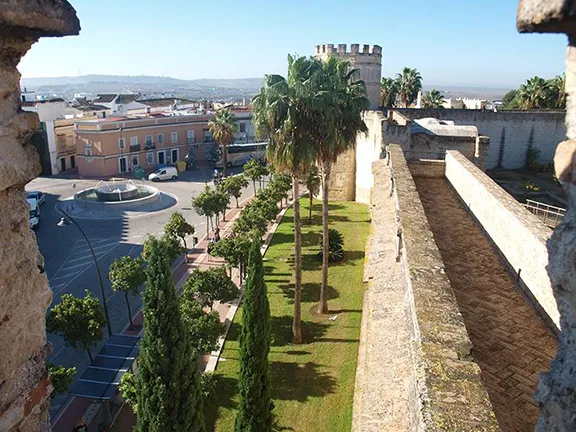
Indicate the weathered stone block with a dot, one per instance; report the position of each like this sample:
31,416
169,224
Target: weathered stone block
550,16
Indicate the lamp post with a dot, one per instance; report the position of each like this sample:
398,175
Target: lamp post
68,220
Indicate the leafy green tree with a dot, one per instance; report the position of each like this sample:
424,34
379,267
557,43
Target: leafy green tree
209,286
78,320
252,221
223,126
177,226
127,274
313,186
409,83
255,406
388,92
220,201
510,100
557,92
234,250
168,381
203,204
254,170
61,377
281,183
533,94
234,185
128,391
173,247
285,111
340,123
433,99
204,327
209,385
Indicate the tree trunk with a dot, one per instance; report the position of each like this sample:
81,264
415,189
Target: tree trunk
225,158
184,241
89,355
254,184
237,205
129,311
311,197
323,305
207,228
296,323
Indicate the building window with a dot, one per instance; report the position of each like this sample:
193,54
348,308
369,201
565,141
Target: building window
207,135
134,141
135,160
160,138
121,144
88,150
242,127
150,158
190,137
148,140
174,136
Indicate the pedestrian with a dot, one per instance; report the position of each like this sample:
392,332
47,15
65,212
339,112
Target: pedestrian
217,235
221,177
80,426
215,175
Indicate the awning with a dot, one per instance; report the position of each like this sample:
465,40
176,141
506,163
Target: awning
102,378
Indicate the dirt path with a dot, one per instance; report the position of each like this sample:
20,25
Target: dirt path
511,344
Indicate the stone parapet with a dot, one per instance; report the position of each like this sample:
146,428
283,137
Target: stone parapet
519,235
25,387
451,390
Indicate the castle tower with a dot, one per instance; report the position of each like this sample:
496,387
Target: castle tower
368,62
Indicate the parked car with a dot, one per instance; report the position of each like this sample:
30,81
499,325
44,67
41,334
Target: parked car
34,212
164,173
37,195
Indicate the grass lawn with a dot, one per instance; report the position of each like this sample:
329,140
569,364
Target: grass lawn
312,383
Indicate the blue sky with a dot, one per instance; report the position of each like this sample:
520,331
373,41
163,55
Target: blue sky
451,42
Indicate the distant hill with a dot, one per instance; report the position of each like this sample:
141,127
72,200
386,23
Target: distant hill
237,83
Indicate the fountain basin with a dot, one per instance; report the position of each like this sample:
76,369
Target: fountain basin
118,192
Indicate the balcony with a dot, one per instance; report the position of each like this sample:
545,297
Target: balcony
149,145
134,148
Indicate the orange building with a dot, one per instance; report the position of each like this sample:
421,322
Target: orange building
106,147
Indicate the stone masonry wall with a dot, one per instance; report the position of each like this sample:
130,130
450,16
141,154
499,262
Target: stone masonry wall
511,133
342,184
24,384
427,168
518,234
452,394
368,150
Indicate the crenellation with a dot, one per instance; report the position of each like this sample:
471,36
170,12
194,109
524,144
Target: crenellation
341,49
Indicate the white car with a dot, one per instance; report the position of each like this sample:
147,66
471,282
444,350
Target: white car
165,173
37,195
34,212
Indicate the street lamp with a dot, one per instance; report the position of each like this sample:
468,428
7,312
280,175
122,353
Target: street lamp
69,220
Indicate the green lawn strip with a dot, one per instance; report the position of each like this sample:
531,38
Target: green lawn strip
312,383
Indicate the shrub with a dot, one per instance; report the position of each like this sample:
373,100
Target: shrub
336,246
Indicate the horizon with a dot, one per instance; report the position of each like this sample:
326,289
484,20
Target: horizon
458,45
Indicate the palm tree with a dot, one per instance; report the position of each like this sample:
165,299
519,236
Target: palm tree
283,111
409,83
388,92
533,94
340,122
312,183
223,126
433,99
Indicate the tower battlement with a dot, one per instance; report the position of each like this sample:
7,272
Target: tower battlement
328,49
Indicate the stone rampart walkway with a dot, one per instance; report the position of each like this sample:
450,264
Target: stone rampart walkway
511,344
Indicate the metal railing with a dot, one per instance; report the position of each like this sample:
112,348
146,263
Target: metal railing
549,215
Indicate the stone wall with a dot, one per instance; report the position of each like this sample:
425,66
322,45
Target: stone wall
368,150
342,183
452,392
427,168
24,384
518,234
511,133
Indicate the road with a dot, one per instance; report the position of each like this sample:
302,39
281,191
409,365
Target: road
69,264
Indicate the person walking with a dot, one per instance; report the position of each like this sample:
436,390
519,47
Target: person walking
80,426
217,235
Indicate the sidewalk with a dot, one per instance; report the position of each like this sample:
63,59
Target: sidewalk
197,258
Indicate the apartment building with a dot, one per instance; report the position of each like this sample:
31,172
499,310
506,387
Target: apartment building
109,146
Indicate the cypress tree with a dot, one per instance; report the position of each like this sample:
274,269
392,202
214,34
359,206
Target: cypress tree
255,407
168,381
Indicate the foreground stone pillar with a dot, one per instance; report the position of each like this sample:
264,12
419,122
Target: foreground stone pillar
556,392
24,291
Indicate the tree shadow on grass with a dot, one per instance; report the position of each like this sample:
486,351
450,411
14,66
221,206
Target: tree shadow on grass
226,390
299,381
310,292
281,330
